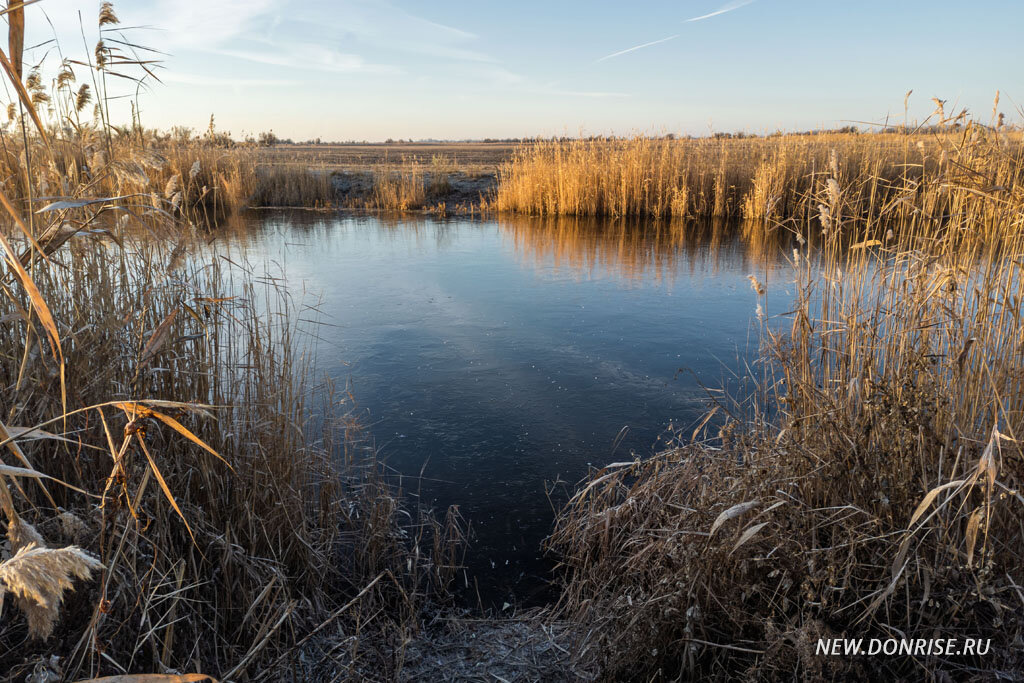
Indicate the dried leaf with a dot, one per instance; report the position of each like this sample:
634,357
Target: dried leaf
157,340
31,434
929,498
79,203
12,471
987,466
734,511
973,524
166,489
138,410
748,534
16,33
38,304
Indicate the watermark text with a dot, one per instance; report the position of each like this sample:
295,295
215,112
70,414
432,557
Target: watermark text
914,647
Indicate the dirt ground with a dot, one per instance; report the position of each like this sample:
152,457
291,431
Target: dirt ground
526,648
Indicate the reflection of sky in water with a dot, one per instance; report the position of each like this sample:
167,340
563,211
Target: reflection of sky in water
500,356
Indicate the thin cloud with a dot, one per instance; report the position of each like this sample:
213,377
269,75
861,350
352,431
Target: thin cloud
596,94
200,23
728,7
382,25
639,47
306,57
196,79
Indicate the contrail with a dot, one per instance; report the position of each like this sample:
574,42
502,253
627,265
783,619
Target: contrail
639,47
728,7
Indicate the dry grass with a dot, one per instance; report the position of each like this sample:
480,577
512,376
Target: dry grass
398,188
208,552
871,485
882,175
194,181
412,184
292,187
38,577
160,429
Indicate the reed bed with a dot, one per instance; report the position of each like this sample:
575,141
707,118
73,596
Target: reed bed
178,495
228,521
870,485
411,184
884,175
292,187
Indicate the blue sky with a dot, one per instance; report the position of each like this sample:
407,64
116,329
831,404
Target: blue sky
369,69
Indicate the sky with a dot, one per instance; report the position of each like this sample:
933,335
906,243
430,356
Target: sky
455,69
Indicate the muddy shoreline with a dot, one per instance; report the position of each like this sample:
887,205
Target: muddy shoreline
459,191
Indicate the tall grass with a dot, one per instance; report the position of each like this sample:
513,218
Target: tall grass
870,488
193,180
291,187
411,184
161,436
884,176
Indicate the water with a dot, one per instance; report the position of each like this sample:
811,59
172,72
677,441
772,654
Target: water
499,357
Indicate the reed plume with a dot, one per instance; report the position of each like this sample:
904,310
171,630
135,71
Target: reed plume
38,577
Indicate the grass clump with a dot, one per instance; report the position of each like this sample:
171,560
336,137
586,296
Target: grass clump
412,184
398,187
286,186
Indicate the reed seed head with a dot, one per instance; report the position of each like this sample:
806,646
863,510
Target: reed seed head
38,577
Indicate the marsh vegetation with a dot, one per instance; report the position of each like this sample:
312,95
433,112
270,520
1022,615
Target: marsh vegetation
157,421
182,493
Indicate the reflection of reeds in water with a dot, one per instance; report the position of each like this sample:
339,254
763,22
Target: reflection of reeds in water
637,250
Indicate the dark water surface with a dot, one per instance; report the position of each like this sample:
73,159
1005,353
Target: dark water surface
500,356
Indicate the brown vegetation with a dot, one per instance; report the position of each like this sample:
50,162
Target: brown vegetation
161,434
871,487
160,431
773,177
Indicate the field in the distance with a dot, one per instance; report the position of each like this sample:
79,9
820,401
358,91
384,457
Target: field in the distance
469,157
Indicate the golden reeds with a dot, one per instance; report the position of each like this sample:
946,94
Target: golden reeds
759,178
